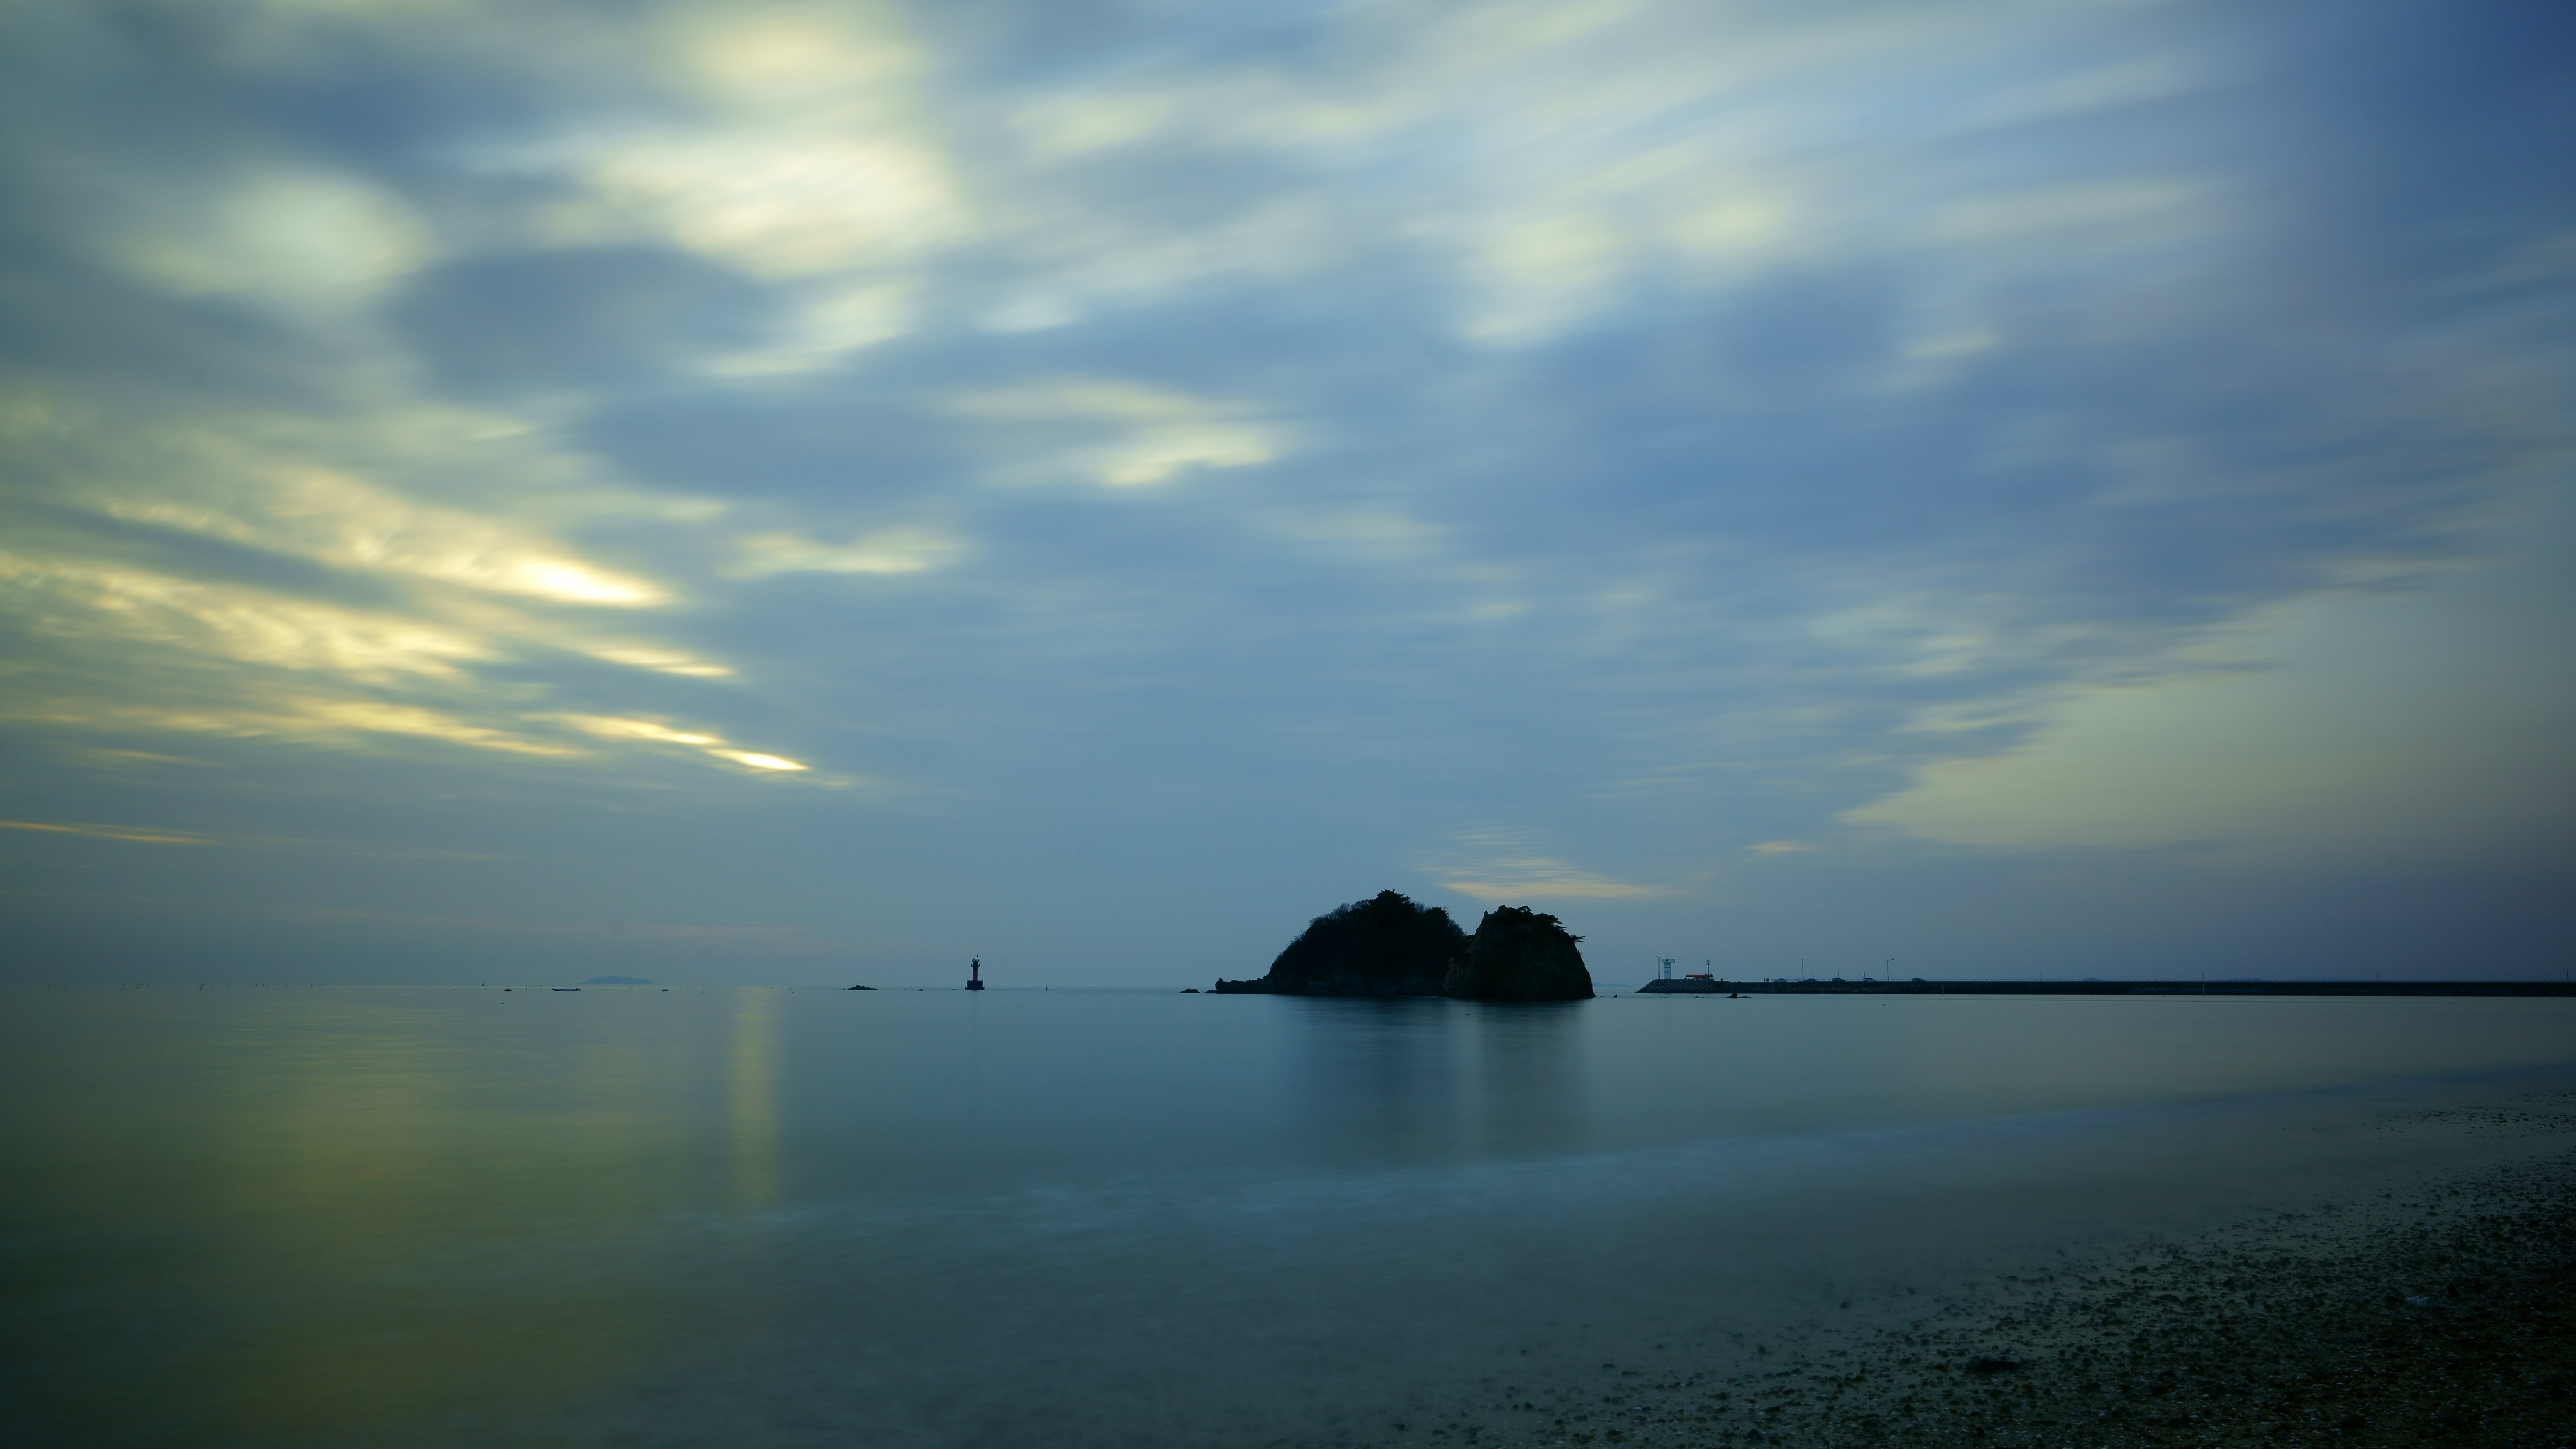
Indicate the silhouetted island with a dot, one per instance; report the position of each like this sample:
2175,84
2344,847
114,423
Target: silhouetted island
1390,946
1384,946
1518,954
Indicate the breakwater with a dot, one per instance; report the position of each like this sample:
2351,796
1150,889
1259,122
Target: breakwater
2107,988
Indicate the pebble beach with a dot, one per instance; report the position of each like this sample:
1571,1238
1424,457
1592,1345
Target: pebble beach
2439,1313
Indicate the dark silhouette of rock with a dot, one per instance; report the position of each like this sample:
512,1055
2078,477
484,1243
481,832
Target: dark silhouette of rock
858,988
1518,954
1384,946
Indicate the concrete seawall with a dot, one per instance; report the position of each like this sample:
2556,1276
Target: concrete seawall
2108,988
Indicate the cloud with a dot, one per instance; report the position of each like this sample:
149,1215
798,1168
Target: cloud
780,203
659,659
307,719
109,832
799,147
2341,726
1159,435
820,327
1497,866
373,717
766,936
2138,213
1361,532
1862,426
336,519
1539,878
656,732
294,238
887,551
88,601
225,579
568,321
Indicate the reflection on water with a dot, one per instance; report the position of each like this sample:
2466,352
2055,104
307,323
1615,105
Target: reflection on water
367,1216
753,1088
1530,1066
310,1213
1382,1075
1410,1079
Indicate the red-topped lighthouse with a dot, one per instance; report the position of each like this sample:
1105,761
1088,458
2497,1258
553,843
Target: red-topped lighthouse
975,974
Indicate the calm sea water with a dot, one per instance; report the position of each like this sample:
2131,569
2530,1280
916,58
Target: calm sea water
293,1216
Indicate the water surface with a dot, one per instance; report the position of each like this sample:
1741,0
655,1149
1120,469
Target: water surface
751,1216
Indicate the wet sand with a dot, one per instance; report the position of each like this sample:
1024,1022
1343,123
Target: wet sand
2437,1314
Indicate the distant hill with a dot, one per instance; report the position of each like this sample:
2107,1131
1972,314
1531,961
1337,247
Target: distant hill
617,981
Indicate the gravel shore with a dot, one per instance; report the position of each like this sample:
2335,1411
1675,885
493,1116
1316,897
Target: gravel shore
2435,1315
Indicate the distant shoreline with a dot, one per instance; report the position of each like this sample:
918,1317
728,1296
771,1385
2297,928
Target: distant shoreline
2105,988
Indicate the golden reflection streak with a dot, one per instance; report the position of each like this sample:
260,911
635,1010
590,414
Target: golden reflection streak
755,1096
351,1136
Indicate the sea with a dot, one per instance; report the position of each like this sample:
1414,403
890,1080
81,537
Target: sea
745,1216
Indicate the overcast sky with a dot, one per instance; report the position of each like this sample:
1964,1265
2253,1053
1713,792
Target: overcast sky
745,492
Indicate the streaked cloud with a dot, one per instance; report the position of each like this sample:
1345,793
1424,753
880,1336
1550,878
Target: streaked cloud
1152,435
656,732
339,520
108,832
887,551
360,716
87,601
1500,865
784,204
766,936
2310,735
660,660
1541,879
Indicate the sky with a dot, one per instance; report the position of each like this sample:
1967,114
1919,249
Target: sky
810,493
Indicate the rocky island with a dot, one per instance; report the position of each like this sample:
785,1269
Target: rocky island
1518,954
1391,946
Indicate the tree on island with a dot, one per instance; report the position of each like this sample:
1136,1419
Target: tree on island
1383,946
1518,954
1389,946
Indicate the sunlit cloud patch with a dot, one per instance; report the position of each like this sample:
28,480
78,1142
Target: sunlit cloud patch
655,732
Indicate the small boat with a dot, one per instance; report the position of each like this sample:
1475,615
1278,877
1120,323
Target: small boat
567,988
